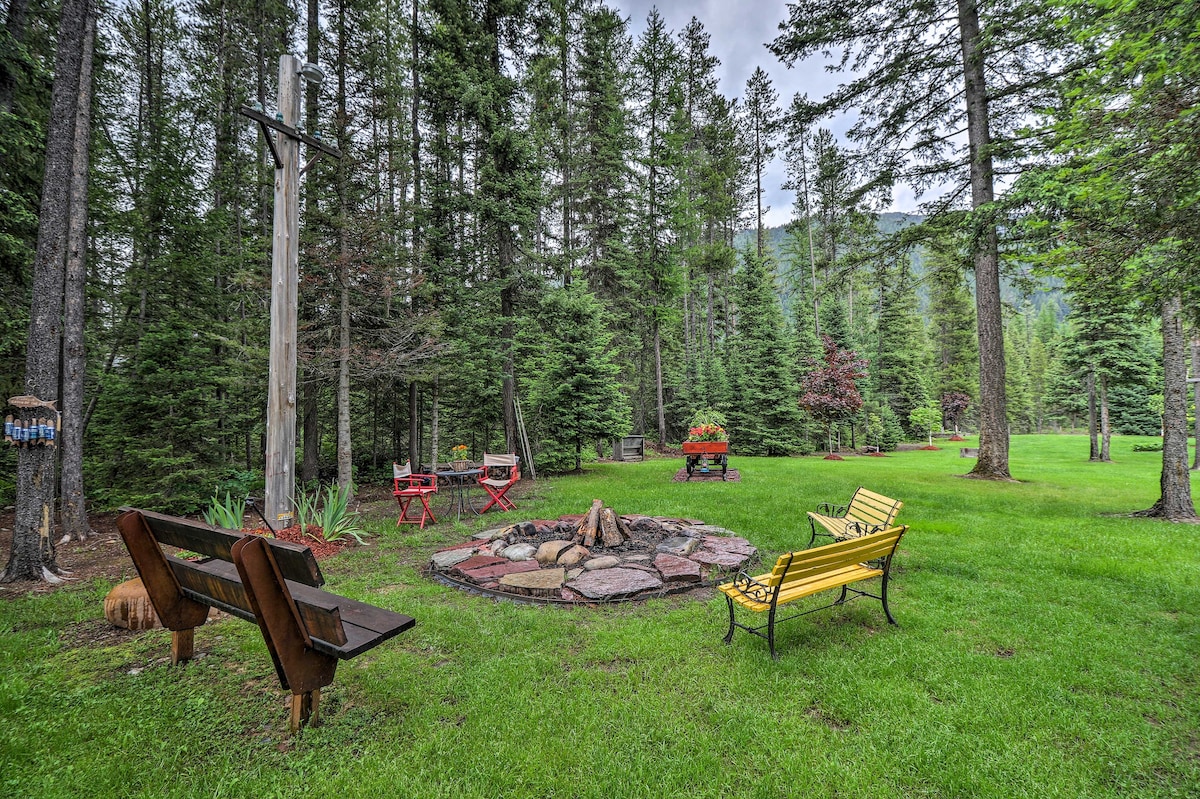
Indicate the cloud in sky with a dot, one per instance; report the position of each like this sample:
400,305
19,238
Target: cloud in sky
740,32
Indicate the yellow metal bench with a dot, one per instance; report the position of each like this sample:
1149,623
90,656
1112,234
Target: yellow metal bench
867,512
810,571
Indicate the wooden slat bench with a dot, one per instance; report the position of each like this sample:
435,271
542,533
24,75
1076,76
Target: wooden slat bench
867,512
273,583
810,571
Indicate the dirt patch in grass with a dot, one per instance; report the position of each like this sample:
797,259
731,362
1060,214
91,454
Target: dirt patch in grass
102,556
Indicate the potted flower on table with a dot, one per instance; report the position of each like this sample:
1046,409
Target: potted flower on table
458,458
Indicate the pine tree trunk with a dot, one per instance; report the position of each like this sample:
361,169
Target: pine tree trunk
14,24
434,424
1093,426
1176,500
74,514
310,463
1105,427
414,394
32,556
310,389
993,423
1196,398
658,386
345,476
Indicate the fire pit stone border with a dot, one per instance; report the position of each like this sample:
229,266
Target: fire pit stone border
596,557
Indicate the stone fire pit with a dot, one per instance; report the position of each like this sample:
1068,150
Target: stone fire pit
595,557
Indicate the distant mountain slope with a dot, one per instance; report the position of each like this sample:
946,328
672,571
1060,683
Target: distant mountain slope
890,222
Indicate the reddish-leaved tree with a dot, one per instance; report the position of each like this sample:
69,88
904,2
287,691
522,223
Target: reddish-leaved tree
954,403
830,393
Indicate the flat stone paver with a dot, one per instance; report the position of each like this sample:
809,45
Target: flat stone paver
614,583
725,560
675,569
543,582
501,569
478,562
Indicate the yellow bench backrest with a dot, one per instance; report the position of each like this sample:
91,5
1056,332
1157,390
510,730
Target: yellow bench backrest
802,564
874,509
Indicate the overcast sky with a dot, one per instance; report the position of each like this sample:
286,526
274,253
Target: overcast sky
740,31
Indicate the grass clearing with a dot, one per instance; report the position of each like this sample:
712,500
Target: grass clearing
1047,647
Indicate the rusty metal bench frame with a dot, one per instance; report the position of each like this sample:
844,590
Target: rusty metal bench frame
273,583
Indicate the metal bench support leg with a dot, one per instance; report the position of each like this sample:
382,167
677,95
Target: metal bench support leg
883,593
771,633
729,635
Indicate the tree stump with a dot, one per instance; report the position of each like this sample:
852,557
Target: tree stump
128,606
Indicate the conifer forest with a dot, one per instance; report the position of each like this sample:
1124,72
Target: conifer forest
547,225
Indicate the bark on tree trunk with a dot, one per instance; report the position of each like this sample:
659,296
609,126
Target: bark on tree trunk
1176,500
658,385
1196,398
345,459
310,461
1093,426
1105,428
32,555
414,428
993,423
74,513
310,389
434,424
14,24
344,454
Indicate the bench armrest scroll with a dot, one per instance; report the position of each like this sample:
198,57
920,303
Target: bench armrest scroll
857,529
830,509
751,588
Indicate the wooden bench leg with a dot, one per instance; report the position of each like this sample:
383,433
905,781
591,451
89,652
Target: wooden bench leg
306,709
181,645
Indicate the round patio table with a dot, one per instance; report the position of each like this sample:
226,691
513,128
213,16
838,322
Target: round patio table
459,484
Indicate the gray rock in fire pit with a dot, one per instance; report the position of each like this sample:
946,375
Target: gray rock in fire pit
605,562
450,557
519,552
614,583
680,545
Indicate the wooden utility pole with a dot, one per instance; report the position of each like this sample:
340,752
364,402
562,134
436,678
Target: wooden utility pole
285,278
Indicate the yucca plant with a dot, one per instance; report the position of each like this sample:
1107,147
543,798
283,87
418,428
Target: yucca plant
227,513
336,519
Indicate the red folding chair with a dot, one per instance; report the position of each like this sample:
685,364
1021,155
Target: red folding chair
410,486
500,473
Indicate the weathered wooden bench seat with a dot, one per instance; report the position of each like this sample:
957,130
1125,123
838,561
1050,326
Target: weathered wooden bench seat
810,571
867,512
273,583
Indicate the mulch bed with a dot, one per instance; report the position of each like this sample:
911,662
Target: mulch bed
712,476
313,539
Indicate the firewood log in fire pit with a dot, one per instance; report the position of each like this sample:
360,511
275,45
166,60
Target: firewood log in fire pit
601,522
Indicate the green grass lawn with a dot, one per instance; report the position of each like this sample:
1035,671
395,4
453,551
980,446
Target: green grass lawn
1047,646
